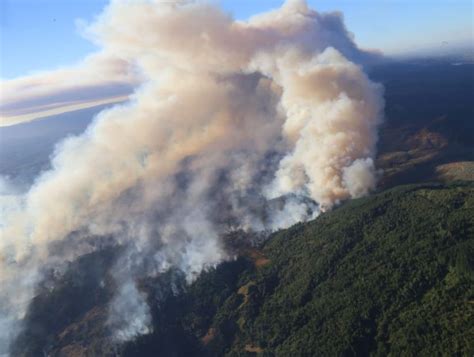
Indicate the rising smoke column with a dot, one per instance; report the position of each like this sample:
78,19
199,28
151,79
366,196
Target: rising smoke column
332,111
219,98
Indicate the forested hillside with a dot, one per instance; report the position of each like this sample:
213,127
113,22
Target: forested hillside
388,274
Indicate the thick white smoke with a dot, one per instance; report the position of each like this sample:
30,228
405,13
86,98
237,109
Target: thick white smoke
230,115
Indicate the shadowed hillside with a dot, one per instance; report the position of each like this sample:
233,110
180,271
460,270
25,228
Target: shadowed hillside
429,121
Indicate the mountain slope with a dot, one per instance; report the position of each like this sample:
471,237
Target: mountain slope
391,273
429,121
385,274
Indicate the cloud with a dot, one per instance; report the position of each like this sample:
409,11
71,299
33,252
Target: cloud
57,108
100,78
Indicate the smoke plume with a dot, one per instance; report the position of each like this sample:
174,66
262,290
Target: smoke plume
251,125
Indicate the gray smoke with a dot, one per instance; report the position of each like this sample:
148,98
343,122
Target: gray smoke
230,116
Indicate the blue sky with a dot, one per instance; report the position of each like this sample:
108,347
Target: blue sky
43,34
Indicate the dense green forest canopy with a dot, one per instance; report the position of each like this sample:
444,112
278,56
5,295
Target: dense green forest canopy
388,274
